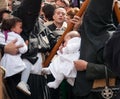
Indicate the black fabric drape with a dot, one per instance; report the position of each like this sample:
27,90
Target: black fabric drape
37,84
28,11
97,23
112,52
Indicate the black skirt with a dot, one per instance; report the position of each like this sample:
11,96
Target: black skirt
37,84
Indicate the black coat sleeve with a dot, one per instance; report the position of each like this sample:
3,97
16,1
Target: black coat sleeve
28,11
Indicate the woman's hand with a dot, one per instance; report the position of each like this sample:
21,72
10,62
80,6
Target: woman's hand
80,65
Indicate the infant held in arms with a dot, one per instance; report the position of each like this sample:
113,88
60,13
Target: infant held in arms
62,66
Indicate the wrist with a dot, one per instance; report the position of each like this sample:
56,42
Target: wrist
85,65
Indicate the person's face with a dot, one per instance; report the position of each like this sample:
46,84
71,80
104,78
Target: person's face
59,15
17,28
5,16
58,3
66,39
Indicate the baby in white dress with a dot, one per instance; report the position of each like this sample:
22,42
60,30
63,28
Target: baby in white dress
62,66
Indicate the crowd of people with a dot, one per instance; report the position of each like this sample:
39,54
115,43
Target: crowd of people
29,31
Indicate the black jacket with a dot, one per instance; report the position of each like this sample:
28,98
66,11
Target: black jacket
97,23
112,52
28,11
37,43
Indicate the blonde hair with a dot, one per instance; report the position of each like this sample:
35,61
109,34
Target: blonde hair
72,11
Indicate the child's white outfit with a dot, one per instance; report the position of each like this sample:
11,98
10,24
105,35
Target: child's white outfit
13,63
63,66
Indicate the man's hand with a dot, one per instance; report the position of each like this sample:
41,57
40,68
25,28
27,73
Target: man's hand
80,65
11,48
77,21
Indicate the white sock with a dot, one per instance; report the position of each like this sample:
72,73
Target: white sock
46,71
55,84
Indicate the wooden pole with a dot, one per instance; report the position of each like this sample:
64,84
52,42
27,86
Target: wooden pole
117,11
2,73
69,28
1,90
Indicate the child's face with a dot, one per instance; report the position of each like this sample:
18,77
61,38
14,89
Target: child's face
66,39
18,28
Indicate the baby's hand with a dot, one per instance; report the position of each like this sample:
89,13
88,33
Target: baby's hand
60,48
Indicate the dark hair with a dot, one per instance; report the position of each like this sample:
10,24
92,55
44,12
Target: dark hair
2,11
48,10
7,24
